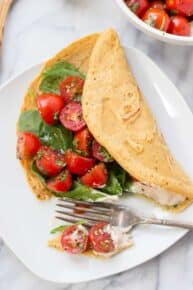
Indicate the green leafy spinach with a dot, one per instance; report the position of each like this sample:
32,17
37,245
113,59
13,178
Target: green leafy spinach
30,121
57,137
85,193
113,185
37,173
64,227
52,76
119,181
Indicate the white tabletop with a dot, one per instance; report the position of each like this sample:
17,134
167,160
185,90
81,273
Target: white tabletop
37,29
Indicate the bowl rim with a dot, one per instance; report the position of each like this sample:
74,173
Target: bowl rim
161,35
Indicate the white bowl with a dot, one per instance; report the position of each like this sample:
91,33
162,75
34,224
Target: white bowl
161,35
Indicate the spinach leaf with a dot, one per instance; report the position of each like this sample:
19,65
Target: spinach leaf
57,137
128,185
120,173
38,174
119,181
59,229
30,121
64,227
55,74
113,186
85,193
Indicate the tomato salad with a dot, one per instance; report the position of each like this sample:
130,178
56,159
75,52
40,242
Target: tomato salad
65,156
172,16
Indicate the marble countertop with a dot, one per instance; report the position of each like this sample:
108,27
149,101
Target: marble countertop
37,29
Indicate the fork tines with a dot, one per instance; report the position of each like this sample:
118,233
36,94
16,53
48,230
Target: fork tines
73,211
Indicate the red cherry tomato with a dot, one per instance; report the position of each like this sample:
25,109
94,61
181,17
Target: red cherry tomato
71,117
157,18
96,177
82,142
60,183
74,239
49,162
100,152
101,240
49,106
171,4
179,25
157,4
138,6
27,145
78,164
71,87
182,7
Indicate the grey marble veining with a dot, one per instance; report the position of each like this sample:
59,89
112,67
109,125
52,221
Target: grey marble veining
37,29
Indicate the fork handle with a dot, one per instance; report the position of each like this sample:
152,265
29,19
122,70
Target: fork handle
166,222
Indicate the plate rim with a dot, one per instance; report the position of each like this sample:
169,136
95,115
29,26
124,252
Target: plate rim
123,268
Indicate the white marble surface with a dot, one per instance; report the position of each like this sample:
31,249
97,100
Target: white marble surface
35,30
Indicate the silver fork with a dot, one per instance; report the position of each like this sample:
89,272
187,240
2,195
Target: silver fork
73,211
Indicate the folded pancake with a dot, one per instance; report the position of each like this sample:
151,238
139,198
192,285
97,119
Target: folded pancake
119,118
78,54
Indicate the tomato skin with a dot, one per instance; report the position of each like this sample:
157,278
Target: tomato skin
182,7
138,6
157,18
100,153
49,162
78,164
97,177
100,240
157,4
71,87
179,25
82,142
60,183
71,117
27,145
171,4
49,106
78,245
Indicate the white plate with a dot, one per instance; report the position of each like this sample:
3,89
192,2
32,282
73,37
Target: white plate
153,32
24,220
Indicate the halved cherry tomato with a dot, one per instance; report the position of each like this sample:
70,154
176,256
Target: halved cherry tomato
78,164
71,117
27,145
179,25
157,4
74,239
157,18
82,142
96,177
182,7
60,183
100,152
101,240
71,87
138,6
49,162
49,106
